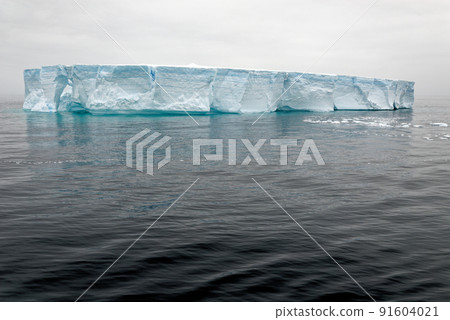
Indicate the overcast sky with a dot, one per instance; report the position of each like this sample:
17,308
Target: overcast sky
398,39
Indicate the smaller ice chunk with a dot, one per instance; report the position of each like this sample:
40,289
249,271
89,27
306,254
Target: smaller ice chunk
439,124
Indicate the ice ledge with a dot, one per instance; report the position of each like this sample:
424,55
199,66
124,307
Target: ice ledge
147,88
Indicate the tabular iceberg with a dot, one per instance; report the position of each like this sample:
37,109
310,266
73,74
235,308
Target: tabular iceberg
146,88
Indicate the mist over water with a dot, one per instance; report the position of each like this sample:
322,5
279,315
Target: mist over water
69,207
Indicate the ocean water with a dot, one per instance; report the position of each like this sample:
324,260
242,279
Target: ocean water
380,206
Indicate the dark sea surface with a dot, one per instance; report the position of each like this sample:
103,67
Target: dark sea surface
380,206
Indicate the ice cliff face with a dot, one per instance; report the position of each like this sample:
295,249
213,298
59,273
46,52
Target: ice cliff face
139,89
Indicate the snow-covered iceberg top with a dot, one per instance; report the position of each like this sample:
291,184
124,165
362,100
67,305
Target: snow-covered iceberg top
146,88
